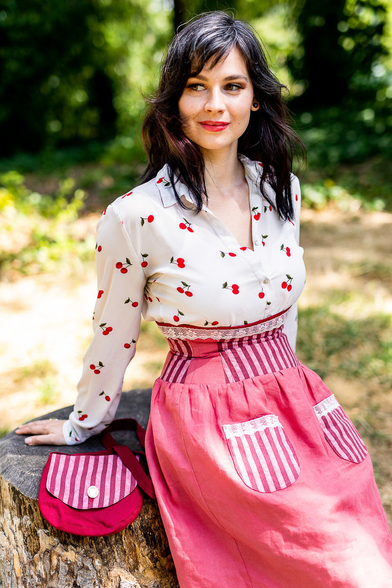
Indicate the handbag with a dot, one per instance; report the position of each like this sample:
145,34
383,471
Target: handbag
99,493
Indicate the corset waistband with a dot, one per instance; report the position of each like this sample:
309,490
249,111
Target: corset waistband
238,358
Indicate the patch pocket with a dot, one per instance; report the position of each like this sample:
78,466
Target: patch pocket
339,431
262,453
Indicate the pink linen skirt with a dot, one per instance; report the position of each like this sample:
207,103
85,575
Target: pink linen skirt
262,480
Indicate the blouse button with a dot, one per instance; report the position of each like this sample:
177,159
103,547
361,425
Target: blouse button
266,281
257,242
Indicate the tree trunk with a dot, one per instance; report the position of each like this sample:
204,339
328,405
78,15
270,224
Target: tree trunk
33,554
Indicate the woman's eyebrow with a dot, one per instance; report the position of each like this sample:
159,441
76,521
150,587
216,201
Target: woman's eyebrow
227,79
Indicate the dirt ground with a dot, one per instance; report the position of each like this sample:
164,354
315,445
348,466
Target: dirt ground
46,327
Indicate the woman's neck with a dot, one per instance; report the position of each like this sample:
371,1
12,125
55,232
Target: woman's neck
223,173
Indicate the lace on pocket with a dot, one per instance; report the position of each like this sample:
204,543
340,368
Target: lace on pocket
262,454
339,431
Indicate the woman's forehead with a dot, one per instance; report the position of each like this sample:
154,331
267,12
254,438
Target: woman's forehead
231,60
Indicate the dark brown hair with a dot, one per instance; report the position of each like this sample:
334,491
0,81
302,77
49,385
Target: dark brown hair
268,138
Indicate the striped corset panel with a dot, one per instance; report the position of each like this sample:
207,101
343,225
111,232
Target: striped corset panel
238,358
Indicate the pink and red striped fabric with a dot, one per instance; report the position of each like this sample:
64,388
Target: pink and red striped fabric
242,357
262,453
70,476
339,430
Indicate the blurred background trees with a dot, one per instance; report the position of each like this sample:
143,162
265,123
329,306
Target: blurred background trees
73,74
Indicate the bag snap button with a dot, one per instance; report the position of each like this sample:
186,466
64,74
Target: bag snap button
92,492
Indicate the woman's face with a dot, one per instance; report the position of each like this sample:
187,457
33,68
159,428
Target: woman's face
215,105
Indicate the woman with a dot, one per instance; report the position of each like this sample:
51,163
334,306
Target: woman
260,477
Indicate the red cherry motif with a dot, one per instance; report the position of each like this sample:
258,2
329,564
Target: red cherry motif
257,214
133,303
98,247
263,238
144,262
230,253
176,317
99,295
186,225
234,287
288,283
97,368
128,345
214,323
185,290
286,249
107,398
127,194
261,295
160,180
243,248
82,417
123,267
149,219
180,262
180,290
105,330
296,197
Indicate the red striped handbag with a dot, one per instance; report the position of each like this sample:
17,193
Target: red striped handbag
97,493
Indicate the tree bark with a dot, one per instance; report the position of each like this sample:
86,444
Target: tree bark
33,554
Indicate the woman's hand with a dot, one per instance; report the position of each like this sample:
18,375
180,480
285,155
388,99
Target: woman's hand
47,432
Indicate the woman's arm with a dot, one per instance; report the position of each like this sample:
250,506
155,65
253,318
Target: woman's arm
116,323
291,323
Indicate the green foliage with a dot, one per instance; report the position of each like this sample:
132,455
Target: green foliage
70,70
37,229
341,41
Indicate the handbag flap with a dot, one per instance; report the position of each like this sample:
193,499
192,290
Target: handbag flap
89,480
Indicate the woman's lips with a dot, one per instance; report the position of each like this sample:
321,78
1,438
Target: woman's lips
214,126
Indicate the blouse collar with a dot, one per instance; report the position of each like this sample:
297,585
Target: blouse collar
252,171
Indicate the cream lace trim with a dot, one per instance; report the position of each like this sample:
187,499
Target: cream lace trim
269,421
186,332
326,406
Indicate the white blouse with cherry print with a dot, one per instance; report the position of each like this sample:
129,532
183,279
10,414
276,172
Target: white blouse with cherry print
186,272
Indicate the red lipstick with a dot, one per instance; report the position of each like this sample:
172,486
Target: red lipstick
214,126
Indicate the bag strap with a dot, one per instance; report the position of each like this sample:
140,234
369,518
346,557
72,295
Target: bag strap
122,425
125,454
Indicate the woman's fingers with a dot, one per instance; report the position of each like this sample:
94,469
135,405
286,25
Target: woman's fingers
46,432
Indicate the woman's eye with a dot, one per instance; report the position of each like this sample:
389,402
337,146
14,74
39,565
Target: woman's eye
196,87
232,87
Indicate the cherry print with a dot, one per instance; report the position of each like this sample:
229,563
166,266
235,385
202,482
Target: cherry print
286,249
176,317
234,288
107,398
82,416
185,290
99,295
179,261
97,368
267,207
186,225
105,330
268,303
230,253
263,238
165,182
104,212
134,304
144,262
290,221
288,283
214,323
257,214
261,295
127,194
128,345
260,164
296,197
123,267
243,248
98,247
149,219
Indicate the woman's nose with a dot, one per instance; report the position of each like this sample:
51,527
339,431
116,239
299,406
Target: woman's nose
215,101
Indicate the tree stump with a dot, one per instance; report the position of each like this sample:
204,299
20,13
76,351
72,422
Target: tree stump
33,554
